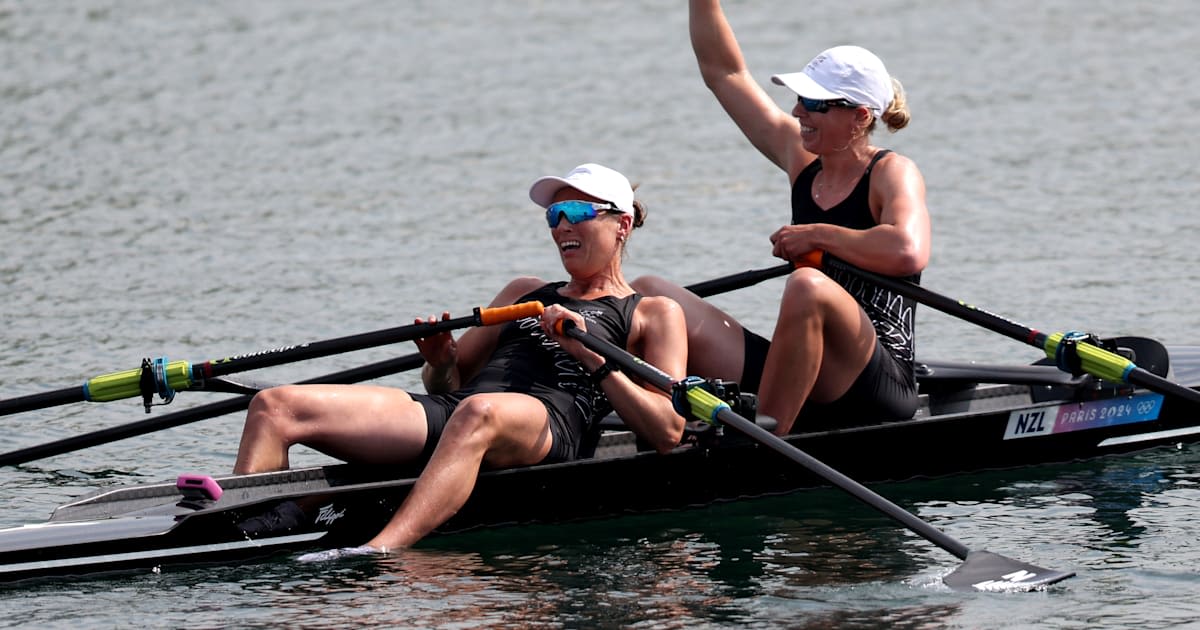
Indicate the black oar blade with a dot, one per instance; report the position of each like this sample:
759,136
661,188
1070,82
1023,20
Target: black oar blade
987,571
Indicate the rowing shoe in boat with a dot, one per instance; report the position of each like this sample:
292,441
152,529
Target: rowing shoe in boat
995,416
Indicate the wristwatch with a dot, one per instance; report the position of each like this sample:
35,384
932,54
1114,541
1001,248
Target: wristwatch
603,371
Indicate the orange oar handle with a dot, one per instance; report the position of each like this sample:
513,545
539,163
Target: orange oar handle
812,259
501,314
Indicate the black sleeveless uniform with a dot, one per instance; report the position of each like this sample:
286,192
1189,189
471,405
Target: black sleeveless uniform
527,361
887,387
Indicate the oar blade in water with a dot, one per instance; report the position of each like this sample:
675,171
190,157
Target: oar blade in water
987,571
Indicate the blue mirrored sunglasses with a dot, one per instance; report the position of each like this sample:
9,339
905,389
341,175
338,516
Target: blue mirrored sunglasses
818,106
575,211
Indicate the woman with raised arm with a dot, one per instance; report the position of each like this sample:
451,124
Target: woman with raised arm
500,396
842,347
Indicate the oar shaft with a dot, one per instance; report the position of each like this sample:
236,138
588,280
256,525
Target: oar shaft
707,288
120,432
754,276
211,369
1093,359
42,400
351,343
181,375
195,414
727,416
741,280
859,491
971,313
318,349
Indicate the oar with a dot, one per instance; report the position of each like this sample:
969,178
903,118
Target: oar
1069,352
981,570
739,280
179,375
195,414
166,378
375,370
751,277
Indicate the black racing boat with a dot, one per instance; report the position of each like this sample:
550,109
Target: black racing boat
995,416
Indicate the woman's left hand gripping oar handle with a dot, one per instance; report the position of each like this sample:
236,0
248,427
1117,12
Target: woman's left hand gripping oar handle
501,314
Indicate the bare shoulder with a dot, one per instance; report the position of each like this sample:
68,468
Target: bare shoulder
516,288
657,304
897,164
659,312
659,334
896,177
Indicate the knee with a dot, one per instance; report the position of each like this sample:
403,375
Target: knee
473,418
806,291
268,409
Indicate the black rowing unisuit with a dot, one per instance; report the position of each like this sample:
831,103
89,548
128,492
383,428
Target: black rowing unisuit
527,361
891,314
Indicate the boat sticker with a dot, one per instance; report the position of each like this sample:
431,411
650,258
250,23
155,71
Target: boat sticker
328,515
1086,415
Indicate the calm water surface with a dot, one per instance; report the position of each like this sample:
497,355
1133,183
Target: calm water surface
196,180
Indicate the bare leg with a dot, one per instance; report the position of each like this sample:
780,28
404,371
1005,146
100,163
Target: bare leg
816,317
358,423
501,430
716,341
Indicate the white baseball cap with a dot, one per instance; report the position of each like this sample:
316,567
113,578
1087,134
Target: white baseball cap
848,72
598,181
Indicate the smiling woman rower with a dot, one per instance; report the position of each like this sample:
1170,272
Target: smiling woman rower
842,345
500,396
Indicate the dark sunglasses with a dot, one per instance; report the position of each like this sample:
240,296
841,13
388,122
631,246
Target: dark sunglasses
818,106
575,211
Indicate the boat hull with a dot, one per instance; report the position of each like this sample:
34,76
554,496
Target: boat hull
961,427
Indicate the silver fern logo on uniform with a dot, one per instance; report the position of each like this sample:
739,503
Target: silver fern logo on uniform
590,314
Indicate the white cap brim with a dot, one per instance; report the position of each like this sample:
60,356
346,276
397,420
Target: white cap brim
598,181
543,190
852,73
803,85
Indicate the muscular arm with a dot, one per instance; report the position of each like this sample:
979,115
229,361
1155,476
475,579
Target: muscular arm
898,246
658,335
774,132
